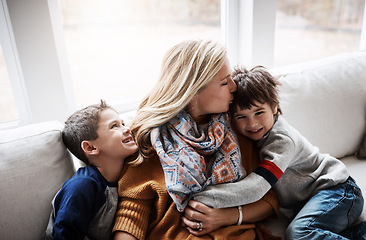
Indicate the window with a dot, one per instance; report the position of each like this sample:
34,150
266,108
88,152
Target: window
308,30
7,104
115,47
79,51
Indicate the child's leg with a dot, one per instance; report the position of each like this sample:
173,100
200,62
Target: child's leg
357,231
328,213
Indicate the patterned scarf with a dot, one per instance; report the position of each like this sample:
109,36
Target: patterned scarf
181,146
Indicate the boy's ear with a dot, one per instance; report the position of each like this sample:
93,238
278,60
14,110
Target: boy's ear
275,110
89,148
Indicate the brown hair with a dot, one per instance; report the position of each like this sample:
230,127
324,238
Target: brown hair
255,85
80,126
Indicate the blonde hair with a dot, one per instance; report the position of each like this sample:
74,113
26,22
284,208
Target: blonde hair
187,68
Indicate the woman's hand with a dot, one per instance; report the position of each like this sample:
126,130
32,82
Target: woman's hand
210,218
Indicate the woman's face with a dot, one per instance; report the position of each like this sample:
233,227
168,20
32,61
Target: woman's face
216,96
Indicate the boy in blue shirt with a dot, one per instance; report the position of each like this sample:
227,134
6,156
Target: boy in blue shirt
86,204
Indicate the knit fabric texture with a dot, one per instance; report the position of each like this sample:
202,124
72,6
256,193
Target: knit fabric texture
147,211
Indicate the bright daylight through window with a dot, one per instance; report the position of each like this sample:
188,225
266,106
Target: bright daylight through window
115,47
307,30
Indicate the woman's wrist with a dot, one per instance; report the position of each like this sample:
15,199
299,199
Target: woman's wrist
233,216
230,216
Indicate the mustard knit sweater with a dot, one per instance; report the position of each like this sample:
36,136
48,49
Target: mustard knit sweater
146,210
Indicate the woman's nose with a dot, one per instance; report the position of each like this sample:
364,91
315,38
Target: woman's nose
233,85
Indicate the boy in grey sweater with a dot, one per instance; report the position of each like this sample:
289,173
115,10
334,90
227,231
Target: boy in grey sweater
317,186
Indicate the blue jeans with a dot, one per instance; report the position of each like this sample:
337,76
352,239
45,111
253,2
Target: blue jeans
328,213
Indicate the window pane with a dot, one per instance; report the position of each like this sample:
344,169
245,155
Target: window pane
308,30
8,108
115,47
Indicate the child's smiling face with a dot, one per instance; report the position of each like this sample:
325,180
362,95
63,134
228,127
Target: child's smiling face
114,138
256,121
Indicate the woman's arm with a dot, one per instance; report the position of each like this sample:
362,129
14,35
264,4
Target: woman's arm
132,218
213,219
135,199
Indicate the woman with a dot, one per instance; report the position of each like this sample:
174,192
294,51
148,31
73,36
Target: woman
195,85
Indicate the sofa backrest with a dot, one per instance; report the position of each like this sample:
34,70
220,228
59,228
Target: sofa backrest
326,101
34,163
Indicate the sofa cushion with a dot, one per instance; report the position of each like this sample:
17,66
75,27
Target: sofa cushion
34,163
326,100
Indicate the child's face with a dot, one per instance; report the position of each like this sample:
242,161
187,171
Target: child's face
114,138
256,121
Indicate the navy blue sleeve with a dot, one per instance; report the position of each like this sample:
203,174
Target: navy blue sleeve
75,206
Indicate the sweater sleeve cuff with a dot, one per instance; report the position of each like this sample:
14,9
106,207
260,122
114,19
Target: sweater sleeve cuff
269,171
132,217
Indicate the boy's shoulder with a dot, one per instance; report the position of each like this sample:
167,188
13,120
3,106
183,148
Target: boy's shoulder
281,132
281,126
81,202
86,178
87,172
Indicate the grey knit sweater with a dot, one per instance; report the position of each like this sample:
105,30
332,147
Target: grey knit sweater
289,163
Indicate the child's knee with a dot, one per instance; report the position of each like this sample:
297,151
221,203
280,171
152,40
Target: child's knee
297,230
291,231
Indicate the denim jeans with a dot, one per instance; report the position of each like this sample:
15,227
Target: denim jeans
328,213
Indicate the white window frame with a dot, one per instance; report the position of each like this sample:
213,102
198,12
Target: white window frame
248,31
10,53
31,36
36,60
363,32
